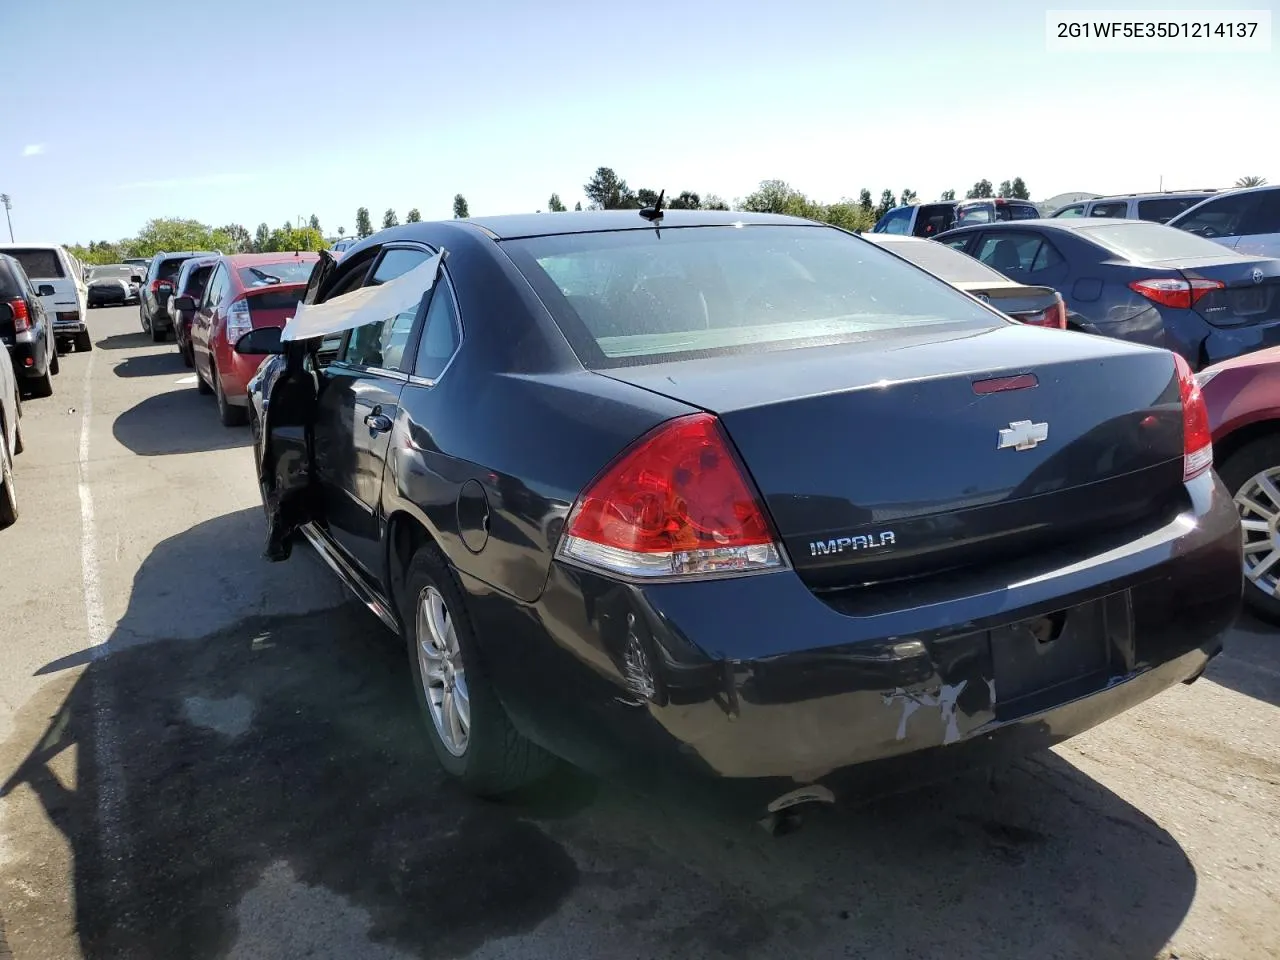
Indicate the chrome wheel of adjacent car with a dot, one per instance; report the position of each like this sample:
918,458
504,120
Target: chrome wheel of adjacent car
444,678
1258,500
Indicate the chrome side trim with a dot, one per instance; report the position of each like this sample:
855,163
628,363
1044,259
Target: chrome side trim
349,576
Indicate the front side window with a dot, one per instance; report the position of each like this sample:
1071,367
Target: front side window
1215,218
896,221
217,287
1111,208
1075,210
380,345
1021,256
708,291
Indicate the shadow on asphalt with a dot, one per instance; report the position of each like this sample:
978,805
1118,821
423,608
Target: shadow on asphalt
179,421
152,365
124,341
269,785
1250,661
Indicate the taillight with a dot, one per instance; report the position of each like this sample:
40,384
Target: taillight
674,504
1179,294
1197,437
238,321
158,285
1055,316
21,317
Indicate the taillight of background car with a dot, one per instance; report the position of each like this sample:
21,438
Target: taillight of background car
1197,437
21,317
1054,317
675,504
238,321
1179,294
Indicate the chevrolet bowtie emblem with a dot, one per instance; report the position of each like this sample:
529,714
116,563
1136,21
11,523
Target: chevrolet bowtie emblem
1023,435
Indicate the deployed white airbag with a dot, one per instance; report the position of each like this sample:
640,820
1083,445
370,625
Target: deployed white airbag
362,306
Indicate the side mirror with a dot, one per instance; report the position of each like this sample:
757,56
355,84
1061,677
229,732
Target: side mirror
135,279
264,340
45,290
184,303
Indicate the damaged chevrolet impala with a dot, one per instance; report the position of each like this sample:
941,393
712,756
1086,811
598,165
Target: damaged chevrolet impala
738,500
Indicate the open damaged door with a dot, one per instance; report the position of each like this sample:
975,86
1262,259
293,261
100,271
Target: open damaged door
288,386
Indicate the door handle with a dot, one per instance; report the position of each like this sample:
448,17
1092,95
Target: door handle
377,422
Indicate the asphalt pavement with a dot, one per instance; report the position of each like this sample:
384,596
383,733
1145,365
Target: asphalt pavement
205,755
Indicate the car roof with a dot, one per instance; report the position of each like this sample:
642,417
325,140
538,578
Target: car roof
31,246
1069,224
512,226
251,259
1152,195
892,238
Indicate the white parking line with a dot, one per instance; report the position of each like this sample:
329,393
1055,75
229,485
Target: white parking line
106,752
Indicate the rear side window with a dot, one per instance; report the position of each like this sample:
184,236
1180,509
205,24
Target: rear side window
1022,256
1141,242
1164,209
635,296
933,218
197,280
439,334
1112,208
39,264
978,213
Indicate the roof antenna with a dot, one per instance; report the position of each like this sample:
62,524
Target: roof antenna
655,212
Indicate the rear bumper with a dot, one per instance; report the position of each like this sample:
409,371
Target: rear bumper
30,358
755,685
236,370
1189,334
107,295
66,328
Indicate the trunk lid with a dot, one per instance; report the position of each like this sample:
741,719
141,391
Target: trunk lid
1251,291
273,306
884,461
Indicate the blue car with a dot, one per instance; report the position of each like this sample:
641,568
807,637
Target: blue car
1139,281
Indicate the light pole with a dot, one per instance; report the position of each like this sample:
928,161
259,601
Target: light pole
8,205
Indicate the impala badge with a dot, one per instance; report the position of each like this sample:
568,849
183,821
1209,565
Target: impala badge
1023,435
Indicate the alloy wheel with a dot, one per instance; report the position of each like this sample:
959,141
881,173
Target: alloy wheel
1258,500
444,680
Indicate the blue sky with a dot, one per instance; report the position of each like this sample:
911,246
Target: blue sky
267,110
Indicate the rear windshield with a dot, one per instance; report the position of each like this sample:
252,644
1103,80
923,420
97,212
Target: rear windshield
169,269
285,299
9,286
943,261
637,296
1164,209
112,273
1142,242
269,274
39,264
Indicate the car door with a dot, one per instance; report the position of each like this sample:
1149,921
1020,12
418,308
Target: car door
202,324
1260,226
357,406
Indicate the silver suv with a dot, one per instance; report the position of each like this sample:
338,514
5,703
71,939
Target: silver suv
1157,207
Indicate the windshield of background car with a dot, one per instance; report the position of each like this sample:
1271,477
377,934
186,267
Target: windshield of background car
39,264
943,261
112,273
638,296
1141,242
272,274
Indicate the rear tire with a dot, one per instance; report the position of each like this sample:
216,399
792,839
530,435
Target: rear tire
495,759
228,413
158,335
1240,472
202,385
187,359
83,342
54,366
8,496
43,386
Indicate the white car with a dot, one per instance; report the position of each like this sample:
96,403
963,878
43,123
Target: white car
10,438
68,306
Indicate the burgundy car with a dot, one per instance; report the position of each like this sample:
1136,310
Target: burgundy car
245,291
1243,397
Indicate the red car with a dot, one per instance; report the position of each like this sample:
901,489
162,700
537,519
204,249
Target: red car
1243,397
244,292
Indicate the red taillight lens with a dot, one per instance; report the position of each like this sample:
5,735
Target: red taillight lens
674,504
158,285
1197,437
1179,294
21,317
1055,316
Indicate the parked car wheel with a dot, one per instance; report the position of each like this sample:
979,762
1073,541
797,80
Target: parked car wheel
228,413
142,319
187,358
43,386
470,732
84,343
54,366
1252,474
158,335
8,495
202,385
18,445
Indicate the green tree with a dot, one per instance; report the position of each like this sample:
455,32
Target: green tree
864,199
232,238
908,197
1251,182
342,231
460,211
1018,190
776,196
687,200
1005,189
646,197
389,219
413,216
887,203
171,234
314,224
607,191
980,190
261,236
554,204
948,195
713,202
364,226
289,238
